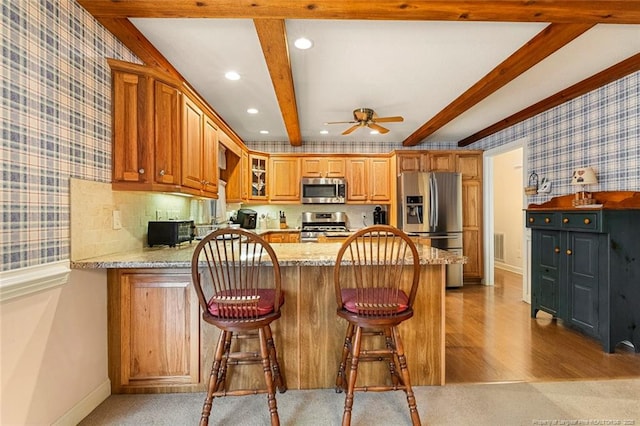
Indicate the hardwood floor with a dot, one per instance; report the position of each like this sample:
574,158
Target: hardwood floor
491,337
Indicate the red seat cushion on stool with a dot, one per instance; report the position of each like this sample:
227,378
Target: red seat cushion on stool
372,295
265,303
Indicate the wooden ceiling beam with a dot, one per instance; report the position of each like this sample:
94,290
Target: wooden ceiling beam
273,39
613,73
566,11
546,42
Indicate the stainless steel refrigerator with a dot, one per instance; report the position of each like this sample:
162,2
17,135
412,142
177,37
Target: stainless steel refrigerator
430,206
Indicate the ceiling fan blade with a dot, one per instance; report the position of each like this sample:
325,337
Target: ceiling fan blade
380,129
351,129
394,119
341,122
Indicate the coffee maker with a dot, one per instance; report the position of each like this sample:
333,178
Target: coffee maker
379,216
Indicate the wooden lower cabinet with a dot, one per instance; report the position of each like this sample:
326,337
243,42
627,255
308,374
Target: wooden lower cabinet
154,331
283,237
159,344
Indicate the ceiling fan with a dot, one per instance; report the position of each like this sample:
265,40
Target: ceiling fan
367,117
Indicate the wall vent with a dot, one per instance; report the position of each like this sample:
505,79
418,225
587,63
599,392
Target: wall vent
498,246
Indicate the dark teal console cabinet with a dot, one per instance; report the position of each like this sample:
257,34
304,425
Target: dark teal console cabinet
585,270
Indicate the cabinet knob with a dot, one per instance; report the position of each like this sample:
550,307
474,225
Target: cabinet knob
547,220
587,221
557,249
565,220
162,172
531,220
569,252
141,171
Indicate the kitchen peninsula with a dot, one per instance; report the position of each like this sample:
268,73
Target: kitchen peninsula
157,343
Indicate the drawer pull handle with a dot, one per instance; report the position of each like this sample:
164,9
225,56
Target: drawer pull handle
587,221
569,252
557,249
565,220
531,220
547,220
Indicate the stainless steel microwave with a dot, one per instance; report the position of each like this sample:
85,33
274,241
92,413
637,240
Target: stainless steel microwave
323,191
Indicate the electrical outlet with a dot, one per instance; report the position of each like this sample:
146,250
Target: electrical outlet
117,220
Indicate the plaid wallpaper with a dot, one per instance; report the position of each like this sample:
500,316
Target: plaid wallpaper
55,124
55,121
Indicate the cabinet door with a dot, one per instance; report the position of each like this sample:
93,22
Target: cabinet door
472,229
379,181
469,165
167,134
322,167
284,179
258,177
545,271
154,331
210,157
193,119
246,179
583,263
357,173
441,161
410,162
132,130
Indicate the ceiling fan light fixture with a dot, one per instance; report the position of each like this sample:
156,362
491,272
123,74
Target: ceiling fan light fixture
232,75
303,43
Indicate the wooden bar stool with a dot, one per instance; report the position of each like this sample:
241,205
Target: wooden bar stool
376,279
237,277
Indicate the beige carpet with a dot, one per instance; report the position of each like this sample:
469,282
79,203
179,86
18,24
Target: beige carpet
609,402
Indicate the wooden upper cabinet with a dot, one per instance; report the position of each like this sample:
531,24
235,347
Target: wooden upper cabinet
167,134
210,156
192,132
470,165
258,176
246,179
379,180
368,179
411,161
357,175
199,151
284,178
132,126
441,161
323,167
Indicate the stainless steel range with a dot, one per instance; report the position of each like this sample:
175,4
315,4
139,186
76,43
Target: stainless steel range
315,224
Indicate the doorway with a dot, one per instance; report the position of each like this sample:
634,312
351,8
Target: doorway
506,243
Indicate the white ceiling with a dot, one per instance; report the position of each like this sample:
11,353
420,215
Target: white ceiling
408,68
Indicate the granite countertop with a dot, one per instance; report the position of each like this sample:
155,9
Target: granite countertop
289,254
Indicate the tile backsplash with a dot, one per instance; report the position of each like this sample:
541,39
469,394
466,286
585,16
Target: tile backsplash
92,207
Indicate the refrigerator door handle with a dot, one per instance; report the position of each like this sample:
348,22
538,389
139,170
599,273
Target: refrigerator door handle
435,198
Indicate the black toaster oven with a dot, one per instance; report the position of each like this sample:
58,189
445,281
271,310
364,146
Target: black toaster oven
170,232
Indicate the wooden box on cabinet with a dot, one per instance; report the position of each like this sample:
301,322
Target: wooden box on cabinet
584,270
154,331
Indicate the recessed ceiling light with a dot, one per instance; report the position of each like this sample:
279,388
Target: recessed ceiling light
252,111
264,132
232,75
374,132
324,132
303,43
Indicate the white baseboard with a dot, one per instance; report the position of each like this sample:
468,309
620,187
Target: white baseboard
85,406
506,267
